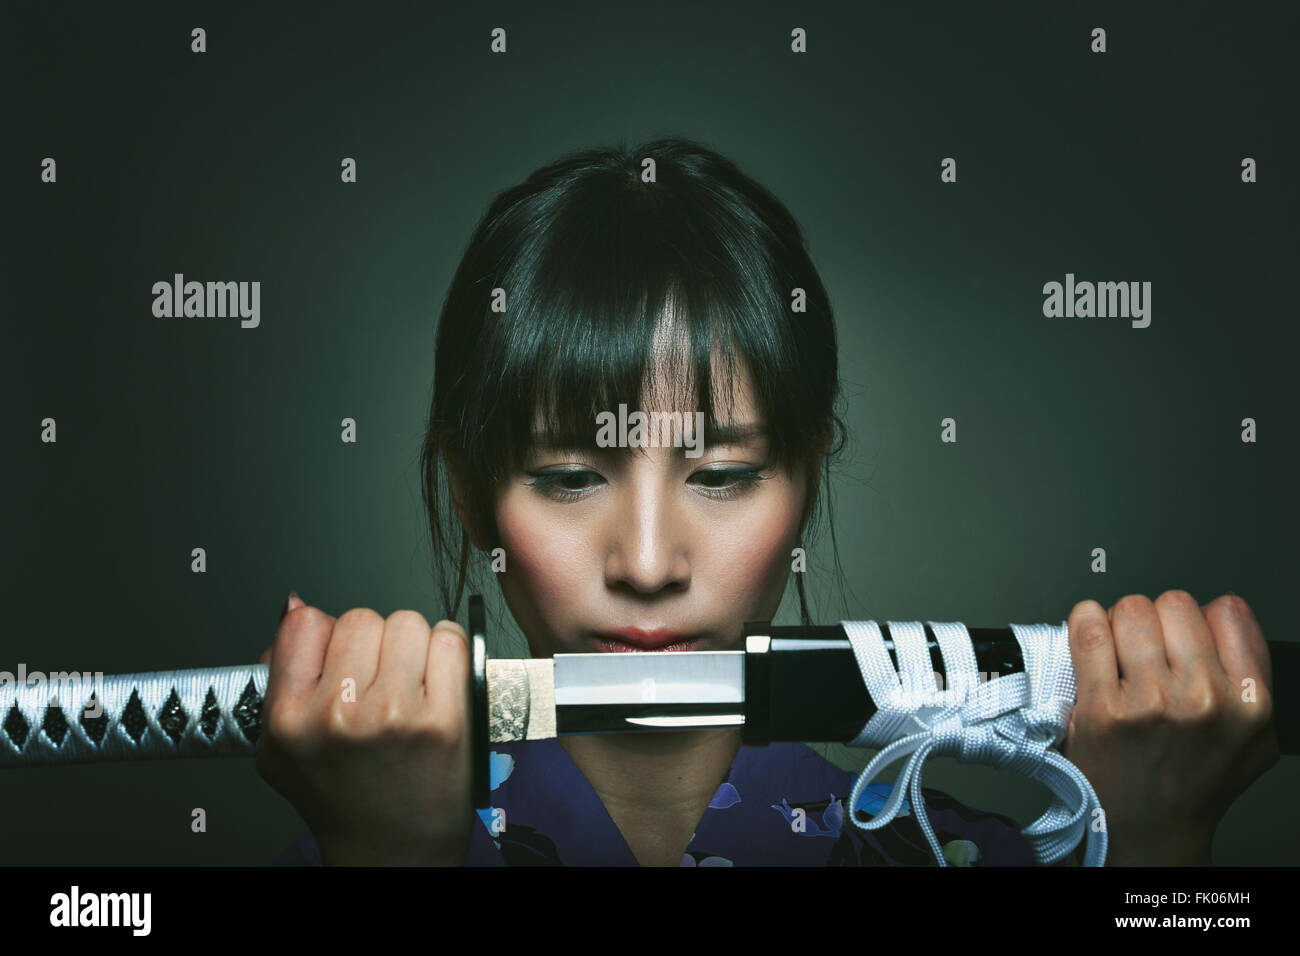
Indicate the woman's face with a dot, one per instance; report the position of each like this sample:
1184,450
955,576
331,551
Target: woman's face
651,540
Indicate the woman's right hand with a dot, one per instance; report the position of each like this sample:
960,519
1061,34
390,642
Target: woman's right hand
365,730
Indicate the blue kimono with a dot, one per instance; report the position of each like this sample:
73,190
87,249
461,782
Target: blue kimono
780,805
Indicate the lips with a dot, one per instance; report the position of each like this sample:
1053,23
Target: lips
634,639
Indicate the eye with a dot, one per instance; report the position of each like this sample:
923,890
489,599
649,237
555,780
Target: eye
738,481
549,483
720,484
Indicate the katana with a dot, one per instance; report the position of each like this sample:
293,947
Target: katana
1001,696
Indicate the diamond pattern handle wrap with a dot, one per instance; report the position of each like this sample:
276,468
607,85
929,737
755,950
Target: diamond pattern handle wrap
218,712
190,713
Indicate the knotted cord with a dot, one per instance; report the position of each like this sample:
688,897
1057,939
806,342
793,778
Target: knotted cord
1011,721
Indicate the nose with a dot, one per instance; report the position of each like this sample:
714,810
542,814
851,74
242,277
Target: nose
648,546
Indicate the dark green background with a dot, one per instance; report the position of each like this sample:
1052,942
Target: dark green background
1073,433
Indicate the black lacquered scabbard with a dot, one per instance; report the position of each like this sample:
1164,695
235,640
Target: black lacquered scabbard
804,683
808,687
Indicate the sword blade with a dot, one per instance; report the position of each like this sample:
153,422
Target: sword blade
614,693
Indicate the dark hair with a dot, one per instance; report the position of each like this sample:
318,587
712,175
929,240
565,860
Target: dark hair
588,256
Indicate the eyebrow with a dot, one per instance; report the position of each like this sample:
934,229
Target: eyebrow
730,433
736,433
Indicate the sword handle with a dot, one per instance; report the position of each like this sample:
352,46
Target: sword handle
187,713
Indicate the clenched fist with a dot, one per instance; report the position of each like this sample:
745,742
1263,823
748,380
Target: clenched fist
1174,719
365,730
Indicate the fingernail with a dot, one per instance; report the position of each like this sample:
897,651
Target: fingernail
293,602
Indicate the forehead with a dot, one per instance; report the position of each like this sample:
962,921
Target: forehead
669,381
670,375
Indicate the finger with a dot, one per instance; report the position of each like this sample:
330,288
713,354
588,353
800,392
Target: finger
1093,651
353,650
293,603
1189,644
298,652
446,678
1139,644
1239,641
404,655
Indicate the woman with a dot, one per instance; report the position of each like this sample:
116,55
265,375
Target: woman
659,279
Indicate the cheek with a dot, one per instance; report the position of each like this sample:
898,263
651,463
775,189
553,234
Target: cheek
542,555
755,558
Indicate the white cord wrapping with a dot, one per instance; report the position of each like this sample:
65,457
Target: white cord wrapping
221,735
1012,721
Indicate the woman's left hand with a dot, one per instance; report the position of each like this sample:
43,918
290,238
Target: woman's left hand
1173,720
